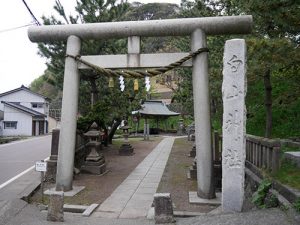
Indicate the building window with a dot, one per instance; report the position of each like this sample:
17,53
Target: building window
10,124
37,105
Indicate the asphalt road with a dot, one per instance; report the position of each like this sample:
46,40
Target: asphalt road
15,157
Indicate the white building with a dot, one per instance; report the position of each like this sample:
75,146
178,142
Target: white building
23,113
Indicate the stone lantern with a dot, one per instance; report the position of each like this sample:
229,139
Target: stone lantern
126,148
95,161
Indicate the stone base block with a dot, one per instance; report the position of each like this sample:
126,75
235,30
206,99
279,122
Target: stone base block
294,157
56,207
193,173
194,199
126,149
93,169
71,193
163,208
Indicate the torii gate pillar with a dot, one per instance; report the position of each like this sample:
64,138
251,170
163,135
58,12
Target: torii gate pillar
202,117
67,137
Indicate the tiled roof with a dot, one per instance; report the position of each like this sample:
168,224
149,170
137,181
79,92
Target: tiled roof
156,108
22,88
24,109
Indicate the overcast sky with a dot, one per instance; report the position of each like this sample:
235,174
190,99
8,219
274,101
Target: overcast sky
19,61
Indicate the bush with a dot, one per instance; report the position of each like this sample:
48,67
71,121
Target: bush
262,198
297,205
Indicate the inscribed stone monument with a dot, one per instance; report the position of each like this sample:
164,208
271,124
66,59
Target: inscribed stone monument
234,125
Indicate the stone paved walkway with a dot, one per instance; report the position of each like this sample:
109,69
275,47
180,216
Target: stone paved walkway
134,197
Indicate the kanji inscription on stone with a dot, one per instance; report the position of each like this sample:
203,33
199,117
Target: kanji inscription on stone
234,63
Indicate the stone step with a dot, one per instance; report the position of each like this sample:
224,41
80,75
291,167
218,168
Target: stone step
294,157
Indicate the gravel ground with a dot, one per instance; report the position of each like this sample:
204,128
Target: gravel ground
98,188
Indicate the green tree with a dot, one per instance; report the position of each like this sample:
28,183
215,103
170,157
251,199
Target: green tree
274,49
273,60
110,106
184,93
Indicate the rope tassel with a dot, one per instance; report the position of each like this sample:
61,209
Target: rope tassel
111,82
136,85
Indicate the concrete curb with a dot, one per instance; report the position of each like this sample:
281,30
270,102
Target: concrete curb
21,188
85,210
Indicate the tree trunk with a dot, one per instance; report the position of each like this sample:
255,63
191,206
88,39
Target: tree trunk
113,130
268,103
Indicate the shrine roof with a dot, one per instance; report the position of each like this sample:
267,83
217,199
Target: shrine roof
156,108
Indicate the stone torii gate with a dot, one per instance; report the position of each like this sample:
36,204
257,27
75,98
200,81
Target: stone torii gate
197,28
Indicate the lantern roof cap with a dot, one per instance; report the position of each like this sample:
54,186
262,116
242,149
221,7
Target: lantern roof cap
93,131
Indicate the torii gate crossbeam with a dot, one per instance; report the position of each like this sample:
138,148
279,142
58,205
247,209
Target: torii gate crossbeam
147,28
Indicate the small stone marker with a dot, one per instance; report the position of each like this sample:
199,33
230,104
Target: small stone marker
163,208
234,125
180,129
193,151
52,162
56,207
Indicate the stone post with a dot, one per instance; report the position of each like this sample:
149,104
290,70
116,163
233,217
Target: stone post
56,207
180,129
67,138
202,117
146,130
163,208
134,49
234,125
52,162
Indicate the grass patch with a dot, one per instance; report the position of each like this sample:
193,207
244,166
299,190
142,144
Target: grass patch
297,205
5,140
288,174
179,142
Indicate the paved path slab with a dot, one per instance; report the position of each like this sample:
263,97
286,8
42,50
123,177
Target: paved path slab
134,197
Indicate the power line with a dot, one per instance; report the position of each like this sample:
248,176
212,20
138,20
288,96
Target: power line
35,19
15,28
